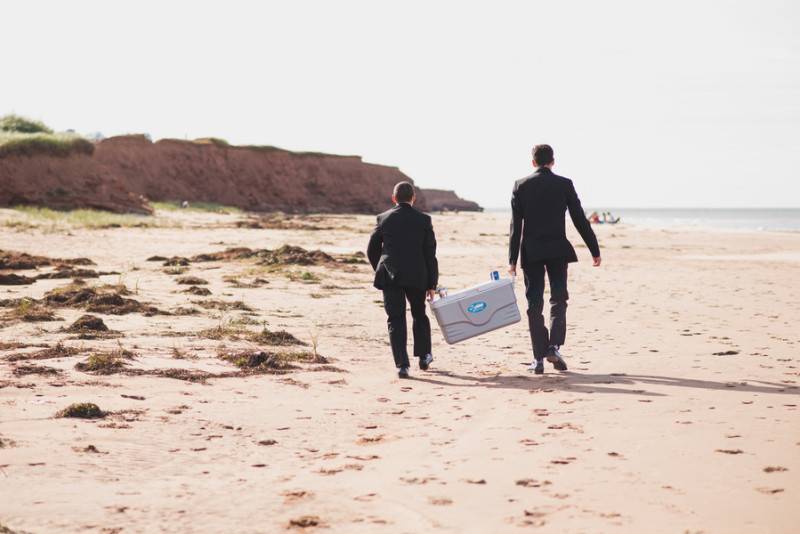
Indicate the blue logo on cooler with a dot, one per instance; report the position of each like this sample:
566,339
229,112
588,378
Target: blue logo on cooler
477,307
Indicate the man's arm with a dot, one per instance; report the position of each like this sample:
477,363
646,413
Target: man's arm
431,263
582,224
515,234
375,247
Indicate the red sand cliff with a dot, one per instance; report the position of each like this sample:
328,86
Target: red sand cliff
124,172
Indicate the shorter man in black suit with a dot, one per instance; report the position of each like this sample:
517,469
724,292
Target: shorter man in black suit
538,204
402,250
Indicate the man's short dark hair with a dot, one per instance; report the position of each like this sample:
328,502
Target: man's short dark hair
403,192
542,155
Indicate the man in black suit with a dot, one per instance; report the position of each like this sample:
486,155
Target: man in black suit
538,204
402,250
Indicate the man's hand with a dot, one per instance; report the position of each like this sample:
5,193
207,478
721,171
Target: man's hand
596,261
431,293
512,270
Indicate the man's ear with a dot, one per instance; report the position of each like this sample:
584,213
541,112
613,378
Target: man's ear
394,199
534,163
413,199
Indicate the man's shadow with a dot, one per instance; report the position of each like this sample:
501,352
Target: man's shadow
599,383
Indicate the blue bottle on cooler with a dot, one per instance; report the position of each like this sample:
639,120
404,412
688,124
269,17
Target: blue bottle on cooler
495,275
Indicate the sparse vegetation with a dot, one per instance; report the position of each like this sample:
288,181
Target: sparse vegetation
83,218
29,369
306,277
226,328
205,207
278,338
58,351
212,304
12,260
192,281
87,322
199,291
106,363
83,410
29,311
261,362
105,298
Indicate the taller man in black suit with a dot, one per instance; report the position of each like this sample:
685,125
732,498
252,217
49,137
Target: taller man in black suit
402,250
538,204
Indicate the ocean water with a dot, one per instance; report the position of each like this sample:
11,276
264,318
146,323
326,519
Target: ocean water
774,219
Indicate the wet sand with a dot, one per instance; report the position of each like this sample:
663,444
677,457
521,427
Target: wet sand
678,414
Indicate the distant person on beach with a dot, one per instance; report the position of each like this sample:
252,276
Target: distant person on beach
538,204
402,250
594,218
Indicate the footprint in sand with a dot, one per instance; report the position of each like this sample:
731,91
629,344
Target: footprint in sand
730,451
329,472
563,461
532,483
305,521
365,498
566,426
364,458
88,448
440,501
417,480
770,491
774,469
292,496
367,440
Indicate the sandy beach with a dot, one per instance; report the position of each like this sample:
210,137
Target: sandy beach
678,414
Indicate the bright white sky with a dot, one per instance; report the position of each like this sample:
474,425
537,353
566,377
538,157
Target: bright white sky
679,103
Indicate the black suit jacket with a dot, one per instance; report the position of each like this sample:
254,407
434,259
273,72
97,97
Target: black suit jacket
402,249
538,204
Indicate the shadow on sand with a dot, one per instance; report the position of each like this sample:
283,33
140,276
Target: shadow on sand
601,383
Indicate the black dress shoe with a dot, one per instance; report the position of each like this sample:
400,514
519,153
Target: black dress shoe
554,357
425,361
403,372
537,367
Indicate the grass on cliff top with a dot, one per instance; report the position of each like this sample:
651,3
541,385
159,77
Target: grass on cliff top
37,217
51,144
16,123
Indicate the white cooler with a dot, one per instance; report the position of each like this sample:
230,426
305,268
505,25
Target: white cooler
476,310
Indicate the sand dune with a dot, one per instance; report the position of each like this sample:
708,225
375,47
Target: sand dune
679,412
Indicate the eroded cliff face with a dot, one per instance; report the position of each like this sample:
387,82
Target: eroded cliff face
124,172
69,182
252,178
